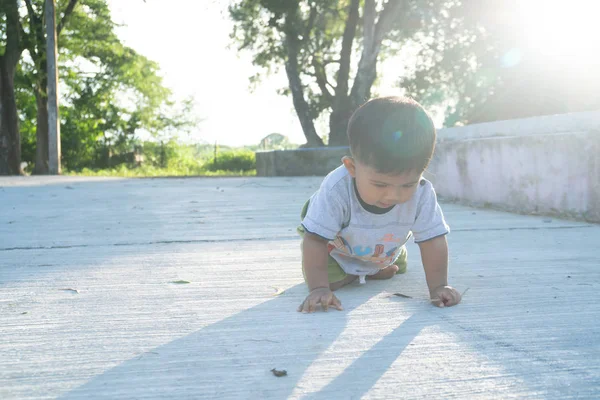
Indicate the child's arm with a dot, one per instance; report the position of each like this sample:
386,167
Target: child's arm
314,261
434,254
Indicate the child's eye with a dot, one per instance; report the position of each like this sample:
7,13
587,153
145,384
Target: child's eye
409,186
380,185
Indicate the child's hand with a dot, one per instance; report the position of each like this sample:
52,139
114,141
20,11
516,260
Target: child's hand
445,296
324,296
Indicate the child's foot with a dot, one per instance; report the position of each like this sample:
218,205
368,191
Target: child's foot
385,273
401,268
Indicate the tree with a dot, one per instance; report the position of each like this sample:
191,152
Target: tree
274,141
109,93
35,43
10,140
19,37
486,69
315,41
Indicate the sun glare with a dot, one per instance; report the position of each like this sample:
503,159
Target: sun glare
559,29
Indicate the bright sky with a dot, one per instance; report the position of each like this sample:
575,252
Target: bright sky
189,39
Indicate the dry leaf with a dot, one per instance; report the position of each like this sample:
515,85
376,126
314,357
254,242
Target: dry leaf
279,373
278,291
71,290
403,295
181,282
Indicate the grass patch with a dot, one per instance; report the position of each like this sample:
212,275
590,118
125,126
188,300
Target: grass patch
150,171
179,160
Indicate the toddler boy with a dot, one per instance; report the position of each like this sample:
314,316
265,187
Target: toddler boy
357,223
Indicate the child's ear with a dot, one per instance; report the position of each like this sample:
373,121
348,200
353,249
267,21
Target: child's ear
350,165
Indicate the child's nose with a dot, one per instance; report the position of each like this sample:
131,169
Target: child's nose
396,196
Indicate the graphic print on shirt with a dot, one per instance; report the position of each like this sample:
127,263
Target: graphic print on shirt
376,254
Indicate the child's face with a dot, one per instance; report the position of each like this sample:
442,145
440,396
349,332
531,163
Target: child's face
382,190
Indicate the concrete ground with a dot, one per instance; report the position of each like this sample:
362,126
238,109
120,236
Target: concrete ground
90,307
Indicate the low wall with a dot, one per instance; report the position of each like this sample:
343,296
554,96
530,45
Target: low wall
300,162
546,165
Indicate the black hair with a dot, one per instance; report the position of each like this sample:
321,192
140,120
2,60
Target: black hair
393,135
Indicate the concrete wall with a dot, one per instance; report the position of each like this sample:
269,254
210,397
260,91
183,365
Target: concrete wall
547,165
300,162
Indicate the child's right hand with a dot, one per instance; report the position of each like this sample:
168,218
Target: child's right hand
324,296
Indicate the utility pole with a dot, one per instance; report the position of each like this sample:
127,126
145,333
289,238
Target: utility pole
53,120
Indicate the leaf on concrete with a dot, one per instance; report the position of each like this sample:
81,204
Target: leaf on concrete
278,291
403,295
70,290
181,282
279,373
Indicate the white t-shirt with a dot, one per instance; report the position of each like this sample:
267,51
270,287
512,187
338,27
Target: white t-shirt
362,241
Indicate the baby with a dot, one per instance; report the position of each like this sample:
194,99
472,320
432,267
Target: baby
358,222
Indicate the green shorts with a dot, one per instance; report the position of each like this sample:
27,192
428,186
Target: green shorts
334,271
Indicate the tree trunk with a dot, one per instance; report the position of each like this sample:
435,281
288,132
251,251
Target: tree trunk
342,108
52,90
10,137
38,52
41,155
366,72
300,103
338,123
373,35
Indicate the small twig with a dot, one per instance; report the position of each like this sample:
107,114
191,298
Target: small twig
402,295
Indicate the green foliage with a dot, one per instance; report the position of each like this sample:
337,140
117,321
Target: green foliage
146,172
463,62
328,41
259,28
457,63
485,68
110,93
174,159
234,160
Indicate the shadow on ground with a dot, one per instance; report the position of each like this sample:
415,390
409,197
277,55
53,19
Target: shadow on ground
218,362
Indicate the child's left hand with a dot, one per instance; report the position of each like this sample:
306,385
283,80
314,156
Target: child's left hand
445,296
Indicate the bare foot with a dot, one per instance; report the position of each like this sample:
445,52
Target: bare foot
385,273
348,279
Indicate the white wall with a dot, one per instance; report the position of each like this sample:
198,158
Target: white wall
547,165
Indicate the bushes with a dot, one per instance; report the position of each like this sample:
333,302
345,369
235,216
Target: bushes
172,159
233,160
